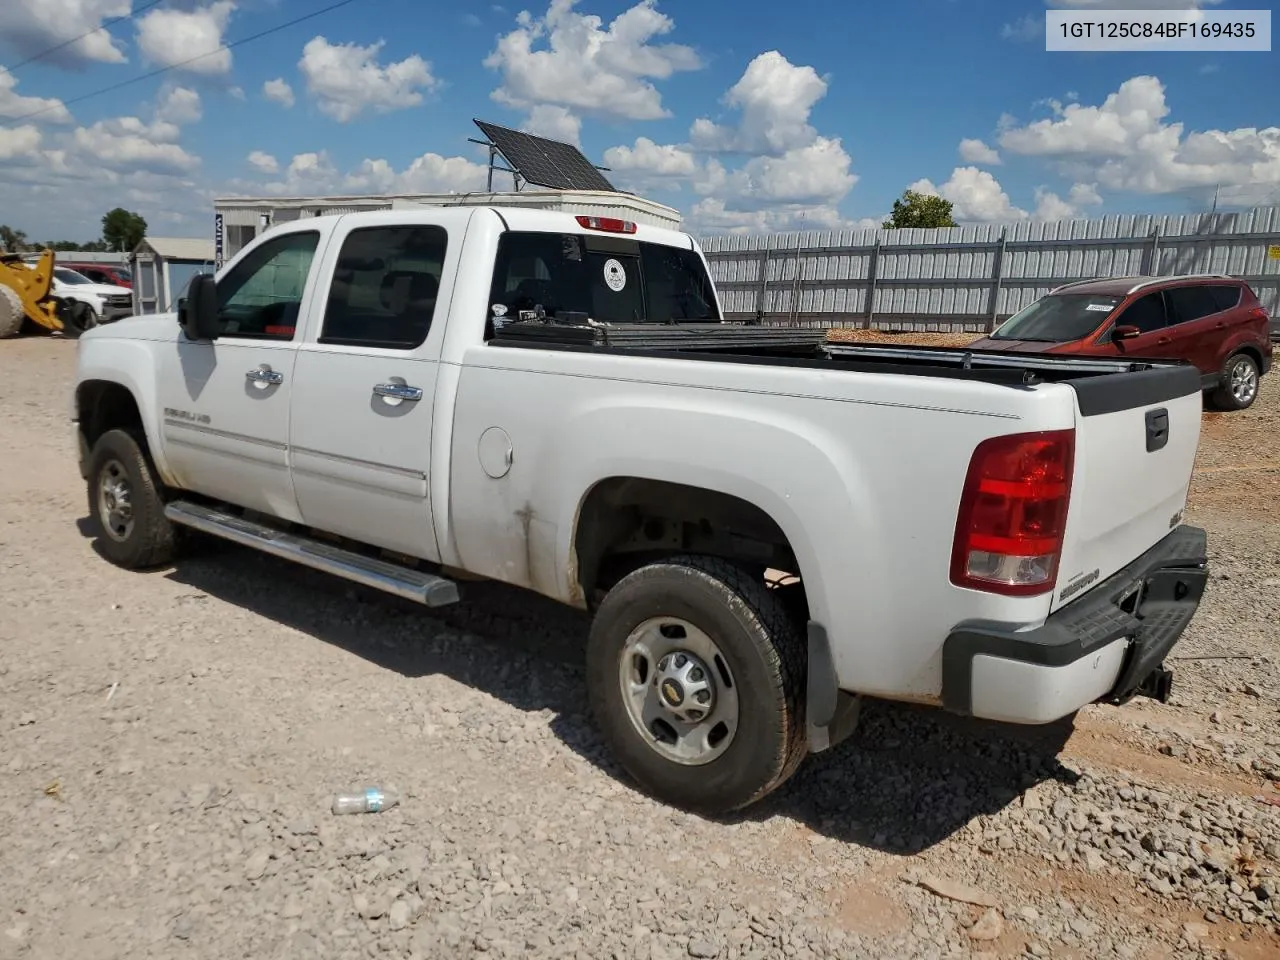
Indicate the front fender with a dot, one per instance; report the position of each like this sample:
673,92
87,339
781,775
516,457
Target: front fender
133,365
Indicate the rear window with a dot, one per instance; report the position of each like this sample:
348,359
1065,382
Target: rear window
1058,318
609,279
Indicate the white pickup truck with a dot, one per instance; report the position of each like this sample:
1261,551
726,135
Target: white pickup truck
764,527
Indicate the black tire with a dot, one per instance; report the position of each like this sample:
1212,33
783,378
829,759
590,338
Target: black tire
149,540
765,650
77,318
1245,367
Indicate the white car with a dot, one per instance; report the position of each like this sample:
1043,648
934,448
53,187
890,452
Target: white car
107,300
408,398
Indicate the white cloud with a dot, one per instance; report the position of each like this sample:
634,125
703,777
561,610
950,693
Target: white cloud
179,105
554,122
346,79
1125,143
649,158
775,98
711,216
20,143
315,173
1024,30
795,177
263,162
586,68
31,27
14,106
278,91
975,151
169,37
976,196
130,144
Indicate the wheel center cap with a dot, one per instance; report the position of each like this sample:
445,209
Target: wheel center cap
672,692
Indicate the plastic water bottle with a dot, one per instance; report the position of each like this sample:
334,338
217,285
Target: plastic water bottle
369,800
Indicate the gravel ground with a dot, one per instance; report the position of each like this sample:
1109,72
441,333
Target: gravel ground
170,743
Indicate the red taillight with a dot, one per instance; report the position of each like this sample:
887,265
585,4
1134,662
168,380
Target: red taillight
607,224
1013,513
1258,313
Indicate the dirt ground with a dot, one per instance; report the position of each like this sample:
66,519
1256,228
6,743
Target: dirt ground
170,742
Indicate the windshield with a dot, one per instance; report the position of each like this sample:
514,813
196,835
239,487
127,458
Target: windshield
70,276
1058,318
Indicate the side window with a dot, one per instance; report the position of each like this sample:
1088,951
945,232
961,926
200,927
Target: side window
677,285
1146,314
385,287
1225,296
260,296
1190,303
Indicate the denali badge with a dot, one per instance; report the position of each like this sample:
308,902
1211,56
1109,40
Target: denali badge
1071,589
173,414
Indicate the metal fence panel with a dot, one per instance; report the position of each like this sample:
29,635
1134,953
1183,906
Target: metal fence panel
974,277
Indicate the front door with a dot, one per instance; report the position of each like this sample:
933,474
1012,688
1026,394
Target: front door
1156,340
365,381
226,402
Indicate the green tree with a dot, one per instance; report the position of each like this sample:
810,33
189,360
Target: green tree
123,230
914,209
11,240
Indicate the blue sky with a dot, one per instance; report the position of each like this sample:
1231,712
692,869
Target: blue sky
746,116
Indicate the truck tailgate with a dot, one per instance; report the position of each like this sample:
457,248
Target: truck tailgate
1136,440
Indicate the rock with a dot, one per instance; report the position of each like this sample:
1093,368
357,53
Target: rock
1094,862
400,915
989,926
1195,931
256,865
703,948
959,892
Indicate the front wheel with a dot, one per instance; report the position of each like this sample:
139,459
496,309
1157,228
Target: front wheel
126,511
696,673
1239,384
77,318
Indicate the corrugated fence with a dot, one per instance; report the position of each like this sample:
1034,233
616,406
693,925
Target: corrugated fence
971,278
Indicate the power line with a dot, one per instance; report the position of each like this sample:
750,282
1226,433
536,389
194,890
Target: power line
173,66
102,26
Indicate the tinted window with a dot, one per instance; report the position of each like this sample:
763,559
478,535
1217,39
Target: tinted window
259,297
609,279
1190,303
1146,314
1225,296
1058,318
385,287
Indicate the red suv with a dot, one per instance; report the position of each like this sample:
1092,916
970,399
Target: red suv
1214,321
102,272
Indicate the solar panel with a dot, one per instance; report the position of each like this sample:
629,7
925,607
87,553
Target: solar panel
546,163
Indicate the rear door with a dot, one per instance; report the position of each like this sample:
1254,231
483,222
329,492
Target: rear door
365,382
1198,324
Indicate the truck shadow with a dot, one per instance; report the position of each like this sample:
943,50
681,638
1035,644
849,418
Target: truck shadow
909,778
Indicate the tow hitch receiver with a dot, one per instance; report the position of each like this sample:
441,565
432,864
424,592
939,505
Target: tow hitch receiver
1158,685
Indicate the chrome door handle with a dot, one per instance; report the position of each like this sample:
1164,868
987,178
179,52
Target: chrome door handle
264,374
397,391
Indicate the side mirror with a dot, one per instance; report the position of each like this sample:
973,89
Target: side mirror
198,310
1125,331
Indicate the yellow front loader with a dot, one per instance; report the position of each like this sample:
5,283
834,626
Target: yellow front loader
27,297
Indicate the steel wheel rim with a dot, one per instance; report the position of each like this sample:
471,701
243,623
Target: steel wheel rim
115,501
1244,381
678,691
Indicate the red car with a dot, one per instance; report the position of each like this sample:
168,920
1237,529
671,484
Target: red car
1212,320
102,272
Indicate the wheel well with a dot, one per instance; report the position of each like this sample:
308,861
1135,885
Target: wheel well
1253,353
101,406
626,522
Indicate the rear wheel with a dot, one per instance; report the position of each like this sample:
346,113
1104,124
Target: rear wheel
696,674
126,510
1239,387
